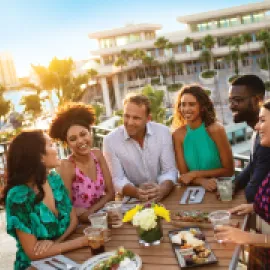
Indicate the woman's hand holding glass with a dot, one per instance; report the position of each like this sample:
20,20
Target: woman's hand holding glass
242,209
228,234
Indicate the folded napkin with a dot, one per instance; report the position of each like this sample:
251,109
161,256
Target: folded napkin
40,264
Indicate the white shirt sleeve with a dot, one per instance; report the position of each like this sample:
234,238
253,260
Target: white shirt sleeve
118,175
167,160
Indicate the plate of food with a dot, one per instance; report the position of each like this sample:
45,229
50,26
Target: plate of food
191,218
191,248
121,259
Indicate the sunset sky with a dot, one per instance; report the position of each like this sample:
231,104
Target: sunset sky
34,31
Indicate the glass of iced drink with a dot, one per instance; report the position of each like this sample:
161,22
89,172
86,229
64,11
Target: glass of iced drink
95,240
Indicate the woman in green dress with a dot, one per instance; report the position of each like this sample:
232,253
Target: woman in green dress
201,146
38,209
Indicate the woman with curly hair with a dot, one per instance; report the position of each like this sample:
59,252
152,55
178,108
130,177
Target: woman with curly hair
39,212
201,146
85,172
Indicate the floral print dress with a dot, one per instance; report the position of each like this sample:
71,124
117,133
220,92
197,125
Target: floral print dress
259,257
85,191
36,218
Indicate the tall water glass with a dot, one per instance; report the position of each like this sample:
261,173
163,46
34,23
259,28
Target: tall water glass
114,210
100,220
225,188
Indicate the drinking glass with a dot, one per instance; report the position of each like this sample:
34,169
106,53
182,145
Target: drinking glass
225,188
100,220
95,239
114,209
220,217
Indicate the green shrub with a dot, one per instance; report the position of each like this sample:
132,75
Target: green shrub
155,81
267,85
208,74
174,87
233,77
208,92
263,64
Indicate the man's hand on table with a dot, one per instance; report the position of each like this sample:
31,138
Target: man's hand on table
150,192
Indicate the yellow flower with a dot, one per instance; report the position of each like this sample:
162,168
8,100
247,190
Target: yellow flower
131,213
161,211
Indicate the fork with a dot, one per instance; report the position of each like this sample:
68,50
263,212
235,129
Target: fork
193,195
68,266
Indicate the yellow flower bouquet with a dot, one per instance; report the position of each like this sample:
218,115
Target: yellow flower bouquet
147,219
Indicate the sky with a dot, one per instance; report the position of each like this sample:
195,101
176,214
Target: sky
34,31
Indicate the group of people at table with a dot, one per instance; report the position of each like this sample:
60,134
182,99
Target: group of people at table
140,159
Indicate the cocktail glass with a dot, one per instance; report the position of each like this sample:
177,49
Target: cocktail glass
95,239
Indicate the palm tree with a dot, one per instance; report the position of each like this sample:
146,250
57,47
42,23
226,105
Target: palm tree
32,105
206,57
247,38
59,76
235,60
2,89
188,42
208,42
162,43
138,55
236,42
5,107
156,98
172,67
148,61
264,37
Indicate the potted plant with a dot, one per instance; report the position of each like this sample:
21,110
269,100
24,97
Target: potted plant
147,219
208,76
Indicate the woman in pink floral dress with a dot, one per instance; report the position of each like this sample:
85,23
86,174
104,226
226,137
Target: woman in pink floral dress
85,172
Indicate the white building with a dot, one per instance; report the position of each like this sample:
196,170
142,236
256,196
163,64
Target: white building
8,75
220,24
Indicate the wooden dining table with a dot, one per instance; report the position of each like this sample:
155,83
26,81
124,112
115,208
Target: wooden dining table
162,257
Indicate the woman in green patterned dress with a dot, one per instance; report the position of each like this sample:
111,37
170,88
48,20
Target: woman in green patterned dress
38,209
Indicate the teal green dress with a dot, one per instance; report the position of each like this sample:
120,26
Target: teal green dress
200,151
23,214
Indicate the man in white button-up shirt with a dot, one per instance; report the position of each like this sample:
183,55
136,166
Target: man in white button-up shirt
140,153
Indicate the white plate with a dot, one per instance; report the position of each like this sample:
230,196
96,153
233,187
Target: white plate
92,262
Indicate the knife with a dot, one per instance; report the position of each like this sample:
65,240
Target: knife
67,265
52,265
188,195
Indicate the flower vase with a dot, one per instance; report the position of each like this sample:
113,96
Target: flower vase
151,237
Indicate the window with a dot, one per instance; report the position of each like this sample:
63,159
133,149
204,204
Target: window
224,23
108,59
149,35
122,40
258,17
197,45
247,19
106,43
134,37
213,25
203,27
234,21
